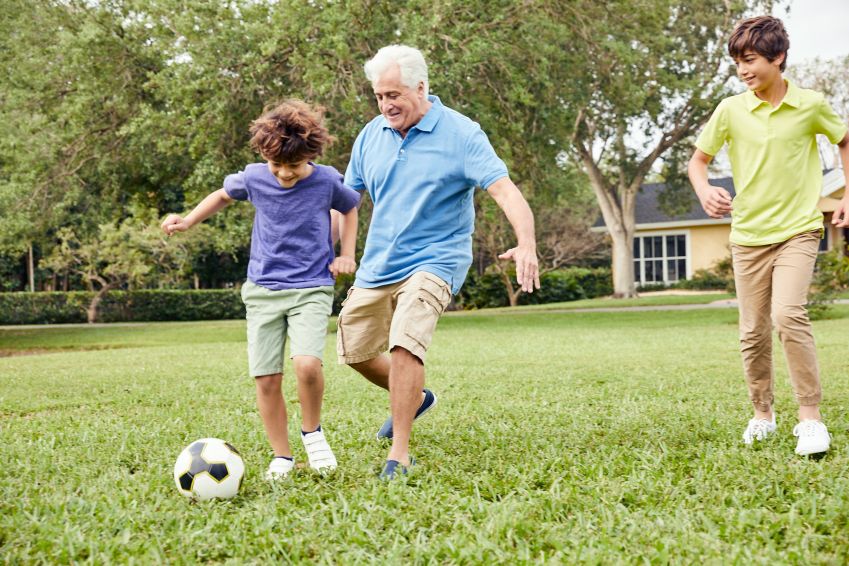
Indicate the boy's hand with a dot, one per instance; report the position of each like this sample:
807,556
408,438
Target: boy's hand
840,216
716,201
174,223
343,264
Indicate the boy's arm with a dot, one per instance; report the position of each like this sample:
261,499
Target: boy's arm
716,201
347,232
207,207
840,216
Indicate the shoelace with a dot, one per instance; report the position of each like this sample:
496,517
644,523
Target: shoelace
806,428
759,429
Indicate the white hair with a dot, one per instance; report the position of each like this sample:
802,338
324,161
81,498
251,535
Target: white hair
409,59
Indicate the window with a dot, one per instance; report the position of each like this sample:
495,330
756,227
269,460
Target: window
660,259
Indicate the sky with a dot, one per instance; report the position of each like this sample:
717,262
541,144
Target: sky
817,28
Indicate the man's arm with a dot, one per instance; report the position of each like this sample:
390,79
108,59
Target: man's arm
517,211
840,216
716,201
207,207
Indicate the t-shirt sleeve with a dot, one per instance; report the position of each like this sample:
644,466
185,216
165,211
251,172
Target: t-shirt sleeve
715,134
344,198
353,174
481,164
236,187
828,122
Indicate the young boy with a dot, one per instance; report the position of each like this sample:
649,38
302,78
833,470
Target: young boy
776,226
289,289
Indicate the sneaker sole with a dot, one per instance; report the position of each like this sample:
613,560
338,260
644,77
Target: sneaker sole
423,413
819,450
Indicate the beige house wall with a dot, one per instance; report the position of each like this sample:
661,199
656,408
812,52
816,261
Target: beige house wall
708,245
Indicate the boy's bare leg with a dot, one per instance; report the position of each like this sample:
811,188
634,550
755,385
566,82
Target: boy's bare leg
375,370
406,381
272,409
809,413
310,390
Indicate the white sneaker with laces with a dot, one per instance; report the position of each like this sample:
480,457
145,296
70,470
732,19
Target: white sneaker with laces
318,451
813,437
279,468
758,429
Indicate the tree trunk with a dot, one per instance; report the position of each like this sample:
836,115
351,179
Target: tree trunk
623,264
31,269
512,292
91,311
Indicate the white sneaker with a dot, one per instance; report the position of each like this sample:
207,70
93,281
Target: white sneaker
813,438
318,451
279,468
758,429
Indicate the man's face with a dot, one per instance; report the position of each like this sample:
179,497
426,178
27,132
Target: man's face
287,174
758,72
401,105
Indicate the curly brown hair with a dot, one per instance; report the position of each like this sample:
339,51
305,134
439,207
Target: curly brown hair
290,132
765,35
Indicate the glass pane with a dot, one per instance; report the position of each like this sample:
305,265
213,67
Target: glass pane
671,270
682,245
658,270
682,268
649,266
636,248
670,246
658,246
648,249
637,277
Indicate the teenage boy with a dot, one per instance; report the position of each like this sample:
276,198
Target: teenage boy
776,227
289,289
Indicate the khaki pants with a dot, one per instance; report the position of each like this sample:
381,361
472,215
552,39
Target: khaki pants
772,288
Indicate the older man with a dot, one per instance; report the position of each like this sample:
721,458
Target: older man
420,162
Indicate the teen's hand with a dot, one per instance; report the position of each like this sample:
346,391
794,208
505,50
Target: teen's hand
174,223
343,264
716,201
840,216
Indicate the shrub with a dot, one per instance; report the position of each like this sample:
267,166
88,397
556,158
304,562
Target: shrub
570,284
831,277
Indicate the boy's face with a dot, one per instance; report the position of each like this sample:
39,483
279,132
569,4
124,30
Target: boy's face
758,72
287,174
401,105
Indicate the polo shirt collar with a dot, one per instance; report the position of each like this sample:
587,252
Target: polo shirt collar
429,120
791,98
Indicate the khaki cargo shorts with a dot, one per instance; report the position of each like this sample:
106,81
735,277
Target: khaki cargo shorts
300,314
400,314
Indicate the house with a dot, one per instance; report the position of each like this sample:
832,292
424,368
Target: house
668,248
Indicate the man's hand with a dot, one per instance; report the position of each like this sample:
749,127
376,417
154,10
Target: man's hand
716,201
343,264
527,266
174,223
840,216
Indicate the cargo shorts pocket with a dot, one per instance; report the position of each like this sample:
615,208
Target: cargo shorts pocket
429,302
340,333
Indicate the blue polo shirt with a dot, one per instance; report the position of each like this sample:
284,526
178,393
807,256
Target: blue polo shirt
422,188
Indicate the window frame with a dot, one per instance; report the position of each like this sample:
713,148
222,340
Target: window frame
640,262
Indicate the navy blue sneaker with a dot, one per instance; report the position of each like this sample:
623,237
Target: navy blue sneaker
428,403
394,469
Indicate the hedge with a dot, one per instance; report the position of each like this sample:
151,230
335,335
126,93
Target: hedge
121,306
569,284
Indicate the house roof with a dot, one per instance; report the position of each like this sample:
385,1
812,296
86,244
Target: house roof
649,214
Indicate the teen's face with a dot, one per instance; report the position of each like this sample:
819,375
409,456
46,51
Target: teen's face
401,105
758,72
287,174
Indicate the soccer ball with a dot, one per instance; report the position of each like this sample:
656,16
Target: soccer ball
209,468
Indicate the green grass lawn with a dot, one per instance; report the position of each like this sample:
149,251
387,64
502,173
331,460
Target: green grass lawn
558,437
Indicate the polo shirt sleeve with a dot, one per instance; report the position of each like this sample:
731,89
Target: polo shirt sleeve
236,187
481,165
828,122
354,174
715,134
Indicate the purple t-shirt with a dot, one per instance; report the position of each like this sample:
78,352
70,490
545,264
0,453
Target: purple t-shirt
291,246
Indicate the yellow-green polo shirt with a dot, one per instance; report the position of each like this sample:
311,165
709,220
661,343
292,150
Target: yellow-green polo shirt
774,161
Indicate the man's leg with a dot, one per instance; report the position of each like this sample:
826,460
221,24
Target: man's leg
375,370
406,380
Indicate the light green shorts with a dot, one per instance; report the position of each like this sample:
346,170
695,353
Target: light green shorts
301,314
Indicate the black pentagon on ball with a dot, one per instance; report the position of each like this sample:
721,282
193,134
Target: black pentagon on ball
218,471
186,481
